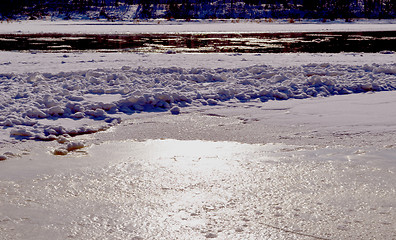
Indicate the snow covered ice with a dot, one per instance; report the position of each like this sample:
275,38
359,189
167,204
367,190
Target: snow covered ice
104,95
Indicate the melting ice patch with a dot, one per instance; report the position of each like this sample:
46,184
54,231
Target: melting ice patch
35,105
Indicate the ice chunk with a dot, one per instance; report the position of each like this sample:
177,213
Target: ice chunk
36,113
49,101
75,98
8,123
212,102
278,78
280,95
36,77
74,146
78,115
62,139
21,132
387,52
56,111
60,151
175,110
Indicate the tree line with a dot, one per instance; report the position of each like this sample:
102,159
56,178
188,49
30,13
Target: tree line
203,9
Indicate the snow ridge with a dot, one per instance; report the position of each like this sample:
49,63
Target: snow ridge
105,95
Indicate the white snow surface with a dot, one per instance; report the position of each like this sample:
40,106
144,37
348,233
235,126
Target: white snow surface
22,62
199,26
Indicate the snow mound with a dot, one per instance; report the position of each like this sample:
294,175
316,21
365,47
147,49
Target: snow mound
104,95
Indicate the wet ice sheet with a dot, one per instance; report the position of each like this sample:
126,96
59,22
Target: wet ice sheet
163,189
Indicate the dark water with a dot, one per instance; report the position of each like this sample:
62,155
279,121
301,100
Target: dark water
332,42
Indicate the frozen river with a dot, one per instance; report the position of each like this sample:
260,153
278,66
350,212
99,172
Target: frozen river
220,145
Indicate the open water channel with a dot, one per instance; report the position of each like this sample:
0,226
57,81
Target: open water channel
329,42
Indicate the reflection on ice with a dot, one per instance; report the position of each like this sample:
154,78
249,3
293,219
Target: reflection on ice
168,189
202,156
